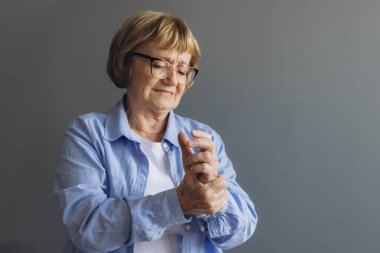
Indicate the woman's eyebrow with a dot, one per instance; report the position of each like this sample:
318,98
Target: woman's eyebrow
165,58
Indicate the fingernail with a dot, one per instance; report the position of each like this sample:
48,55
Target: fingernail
195,132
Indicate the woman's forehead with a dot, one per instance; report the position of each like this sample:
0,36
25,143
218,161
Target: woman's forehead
167,54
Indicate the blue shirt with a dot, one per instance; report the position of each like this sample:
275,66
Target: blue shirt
101,179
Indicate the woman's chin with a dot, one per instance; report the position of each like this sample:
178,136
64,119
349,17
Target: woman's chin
163,106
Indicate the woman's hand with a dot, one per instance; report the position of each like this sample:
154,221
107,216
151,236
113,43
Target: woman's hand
202,191
198,198
204,163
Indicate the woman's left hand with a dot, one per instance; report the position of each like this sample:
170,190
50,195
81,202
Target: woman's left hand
205,162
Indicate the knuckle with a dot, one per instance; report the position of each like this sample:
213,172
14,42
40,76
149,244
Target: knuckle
199,168
212,158
203,166
204,156
211,170
208,157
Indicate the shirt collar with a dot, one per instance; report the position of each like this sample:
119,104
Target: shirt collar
117,125
172,130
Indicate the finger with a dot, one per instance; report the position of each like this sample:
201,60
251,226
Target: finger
201,157
204,172
204,168
185,149
201,134
203,143
206,178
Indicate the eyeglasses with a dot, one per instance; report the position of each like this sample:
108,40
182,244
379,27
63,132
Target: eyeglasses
160,69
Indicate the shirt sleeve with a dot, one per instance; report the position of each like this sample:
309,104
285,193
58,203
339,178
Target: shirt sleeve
236,222
94,221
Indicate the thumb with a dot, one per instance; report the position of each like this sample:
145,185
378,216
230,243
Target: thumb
185,149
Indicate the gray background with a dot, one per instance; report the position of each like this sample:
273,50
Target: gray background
292,86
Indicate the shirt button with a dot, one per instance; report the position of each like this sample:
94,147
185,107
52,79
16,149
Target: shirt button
203,228
165,145
187,227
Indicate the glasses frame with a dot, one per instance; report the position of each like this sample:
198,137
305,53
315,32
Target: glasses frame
152,59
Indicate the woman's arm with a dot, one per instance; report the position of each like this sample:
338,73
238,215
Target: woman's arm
94,221
228,213
236,222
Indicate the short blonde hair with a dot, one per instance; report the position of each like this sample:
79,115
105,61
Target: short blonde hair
170,32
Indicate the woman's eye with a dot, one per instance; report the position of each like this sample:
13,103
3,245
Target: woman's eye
159,64
182,71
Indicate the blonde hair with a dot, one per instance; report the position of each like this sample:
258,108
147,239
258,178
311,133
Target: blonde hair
170,32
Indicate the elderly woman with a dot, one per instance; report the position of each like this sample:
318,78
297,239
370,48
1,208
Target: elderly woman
141,178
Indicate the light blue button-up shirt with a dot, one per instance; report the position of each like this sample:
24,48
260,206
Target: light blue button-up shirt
100,184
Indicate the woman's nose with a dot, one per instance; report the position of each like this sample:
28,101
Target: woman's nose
171,77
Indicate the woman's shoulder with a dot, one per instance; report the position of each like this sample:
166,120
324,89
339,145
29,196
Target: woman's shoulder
90,124
91,119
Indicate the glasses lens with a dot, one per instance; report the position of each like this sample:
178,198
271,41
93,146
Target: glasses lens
160,70
190,76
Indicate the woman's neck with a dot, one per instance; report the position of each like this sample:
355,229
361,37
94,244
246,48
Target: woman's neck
149,125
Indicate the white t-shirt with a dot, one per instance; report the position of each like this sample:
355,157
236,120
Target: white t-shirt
159,179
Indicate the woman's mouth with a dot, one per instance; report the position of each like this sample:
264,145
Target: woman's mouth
164,93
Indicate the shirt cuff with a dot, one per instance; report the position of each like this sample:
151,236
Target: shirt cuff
224,222
169,209
152,214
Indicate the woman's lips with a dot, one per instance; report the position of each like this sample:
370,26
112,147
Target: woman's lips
164,93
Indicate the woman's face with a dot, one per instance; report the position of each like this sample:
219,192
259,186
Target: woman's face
147,92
